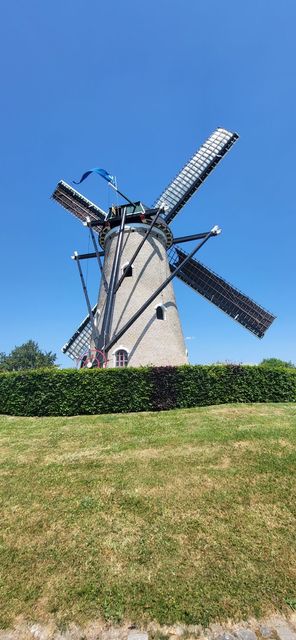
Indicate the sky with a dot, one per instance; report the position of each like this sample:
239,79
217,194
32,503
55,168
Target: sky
135,87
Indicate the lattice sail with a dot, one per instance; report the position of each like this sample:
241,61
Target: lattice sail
79,343
77,204
230,300
193,174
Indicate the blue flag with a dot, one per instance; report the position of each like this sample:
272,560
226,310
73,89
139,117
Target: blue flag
101,172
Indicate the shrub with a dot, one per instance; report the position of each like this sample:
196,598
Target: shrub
49,392
276,362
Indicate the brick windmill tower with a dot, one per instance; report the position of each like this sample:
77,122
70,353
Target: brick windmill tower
136,321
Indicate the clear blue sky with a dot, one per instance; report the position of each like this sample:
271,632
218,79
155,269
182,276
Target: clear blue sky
134,87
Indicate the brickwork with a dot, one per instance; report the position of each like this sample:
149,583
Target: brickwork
149,340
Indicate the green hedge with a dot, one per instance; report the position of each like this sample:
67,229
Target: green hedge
50,392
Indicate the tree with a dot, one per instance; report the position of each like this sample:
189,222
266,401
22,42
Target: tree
276,362
27,356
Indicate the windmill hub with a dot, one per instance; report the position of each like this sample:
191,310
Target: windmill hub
135,321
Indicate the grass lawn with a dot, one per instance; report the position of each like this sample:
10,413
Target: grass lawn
187,515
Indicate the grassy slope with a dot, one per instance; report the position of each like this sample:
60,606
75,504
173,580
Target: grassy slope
186,515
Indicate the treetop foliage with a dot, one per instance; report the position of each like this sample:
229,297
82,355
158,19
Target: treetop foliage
276,362
27,356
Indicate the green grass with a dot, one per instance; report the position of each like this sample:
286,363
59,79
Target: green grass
181,516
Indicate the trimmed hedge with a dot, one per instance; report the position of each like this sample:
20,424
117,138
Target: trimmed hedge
67,392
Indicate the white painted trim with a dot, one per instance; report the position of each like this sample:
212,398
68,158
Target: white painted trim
120,348
163,306
126,264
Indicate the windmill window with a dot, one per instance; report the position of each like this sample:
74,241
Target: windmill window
160,312
127,270
121,358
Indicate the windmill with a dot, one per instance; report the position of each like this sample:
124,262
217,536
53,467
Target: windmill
135,321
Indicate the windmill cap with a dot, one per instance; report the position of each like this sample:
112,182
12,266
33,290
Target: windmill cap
216,230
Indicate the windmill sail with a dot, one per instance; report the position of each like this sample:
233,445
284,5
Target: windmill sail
194,173
77,204
79,342
221,293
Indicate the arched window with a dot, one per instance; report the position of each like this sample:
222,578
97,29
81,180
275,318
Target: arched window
127,269
121,358
160,312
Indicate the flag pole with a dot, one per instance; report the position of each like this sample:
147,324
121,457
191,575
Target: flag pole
121,194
